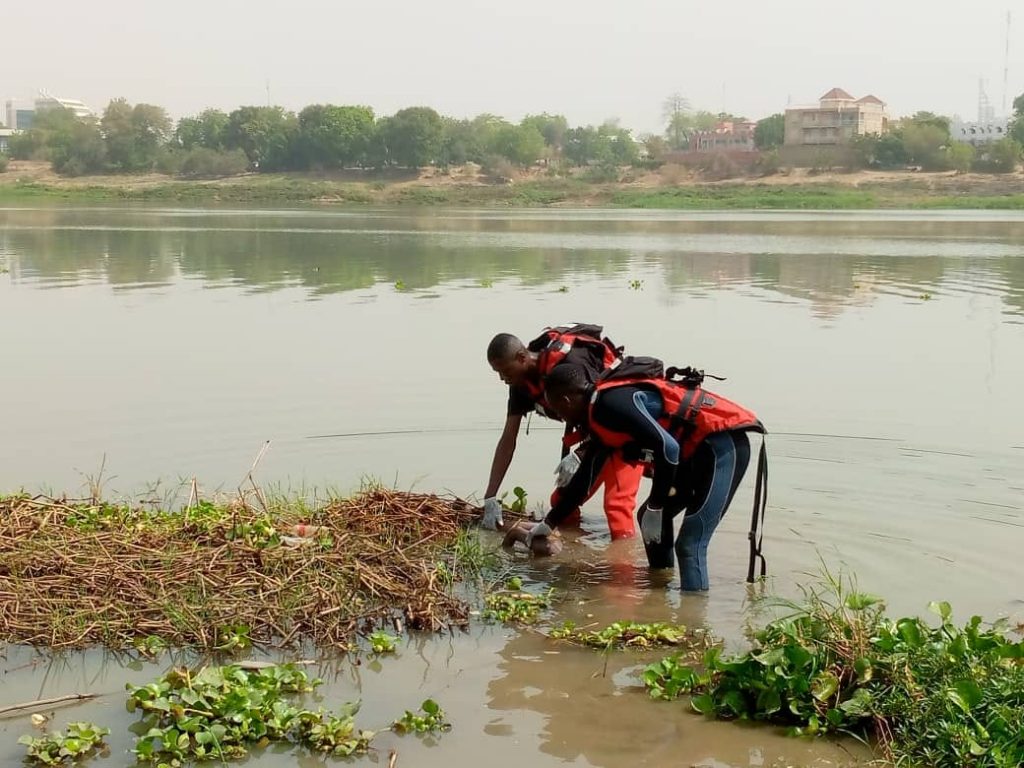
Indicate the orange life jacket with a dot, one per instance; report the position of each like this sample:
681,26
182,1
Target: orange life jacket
690,414
554,344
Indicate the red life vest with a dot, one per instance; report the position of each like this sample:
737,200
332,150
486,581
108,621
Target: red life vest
691,413
554,344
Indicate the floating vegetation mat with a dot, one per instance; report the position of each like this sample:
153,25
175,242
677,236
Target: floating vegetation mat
222,575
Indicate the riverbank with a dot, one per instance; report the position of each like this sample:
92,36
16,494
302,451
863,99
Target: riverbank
667,188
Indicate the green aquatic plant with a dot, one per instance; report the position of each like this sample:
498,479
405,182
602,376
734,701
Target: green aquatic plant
219,712
513,606
150,645
234,637
382,642
636,285
430,719
518,503
628,634
78,741
835,662
399,285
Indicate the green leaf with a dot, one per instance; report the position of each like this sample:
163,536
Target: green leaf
910,631
966,694
858,601
943,609
864,669
824,686
430,707
703,704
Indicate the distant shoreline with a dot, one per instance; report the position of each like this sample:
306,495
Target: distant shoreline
798,190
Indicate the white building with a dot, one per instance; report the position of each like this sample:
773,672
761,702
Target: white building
47,101
978,132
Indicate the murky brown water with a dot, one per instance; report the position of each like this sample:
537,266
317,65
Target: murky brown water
883,351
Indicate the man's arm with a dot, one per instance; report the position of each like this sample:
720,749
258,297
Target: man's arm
634,411
503,453
572,495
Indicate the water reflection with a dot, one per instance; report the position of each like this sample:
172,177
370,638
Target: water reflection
833,262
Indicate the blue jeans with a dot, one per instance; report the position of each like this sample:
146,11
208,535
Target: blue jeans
705,486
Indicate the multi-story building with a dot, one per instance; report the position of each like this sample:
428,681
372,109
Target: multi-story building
837,119
19,115
727,136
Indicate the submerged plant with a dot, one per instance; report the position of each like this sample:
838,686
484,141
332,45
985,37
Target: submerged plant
78,741
513,606
628,634
930,695
431,720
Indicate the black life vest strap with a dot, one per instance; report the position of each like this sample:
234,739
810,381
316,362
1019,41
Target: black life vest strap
756,534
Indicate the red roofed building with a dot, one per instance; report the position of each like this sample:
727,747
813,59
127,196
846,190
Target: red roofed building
837,119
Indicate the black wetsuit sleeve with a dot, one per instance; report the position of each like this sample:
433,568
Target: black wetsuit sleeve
627,410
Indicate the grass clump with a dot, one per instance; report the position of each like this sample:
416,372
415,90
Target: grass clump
926,694
227,575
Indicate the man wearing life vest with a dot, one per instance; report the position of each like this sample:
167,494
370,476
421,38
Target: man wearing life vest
695,439
523,368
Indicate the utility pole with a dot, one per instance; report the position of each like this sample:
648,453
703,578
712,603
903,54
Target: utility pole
1006,64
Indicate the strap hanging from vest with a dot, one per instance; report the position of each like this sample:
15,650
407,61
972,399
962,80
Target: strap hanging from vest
756,535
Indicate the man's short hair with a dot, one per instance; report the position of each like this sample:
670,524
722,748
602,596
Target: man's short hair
567,379
504,346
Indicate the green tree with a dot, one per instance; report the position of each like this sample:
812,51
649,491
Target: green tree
960,156
999,157
208,129
265,134
770,132
519,144
925,144
334,137
608,145
705,121
930,119
134,135
654,145
459,143
1017,125
413,137
78,150
35,143
552,127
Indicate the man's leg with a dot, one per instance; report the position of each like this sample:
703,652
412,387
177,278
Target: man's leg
621,481
717,474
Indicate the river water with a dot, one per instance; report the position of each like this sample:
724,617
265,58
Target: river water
884,352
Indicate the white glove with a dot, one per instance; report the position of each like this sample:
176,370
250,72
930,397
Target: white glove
540,529
492,514
566,469
650,525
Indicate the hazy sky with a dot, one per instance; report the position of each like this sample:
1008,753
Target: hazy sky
589,59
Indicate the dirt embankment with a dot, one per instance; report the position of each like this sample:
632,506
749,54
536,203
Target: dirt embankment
467,185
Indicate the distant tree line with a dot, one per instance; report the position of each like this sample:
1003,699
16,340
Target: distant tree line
138,138
141,138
